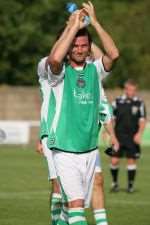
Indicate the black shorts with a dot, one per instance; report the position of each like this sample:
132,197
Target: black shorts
129,151
128,148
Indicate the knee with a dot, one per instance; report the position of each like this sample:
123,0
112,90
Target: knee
55,186
131,161
76,203
98,181
114,161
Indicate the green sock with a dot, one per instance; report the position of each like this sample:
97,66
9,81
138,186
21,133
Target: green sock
56,205
76,216
63,220
100,217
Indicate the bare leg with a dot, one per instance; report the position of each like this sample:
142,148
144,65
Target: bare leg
98,200
98,192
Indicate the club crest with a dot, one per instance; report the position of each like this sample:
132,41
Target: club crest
134,110
81,83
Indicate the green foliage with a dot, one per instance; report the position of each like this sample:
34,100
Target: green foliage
28,30
26,33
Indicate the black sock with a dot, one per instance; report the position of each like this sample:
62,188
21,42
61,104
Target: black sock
131,177
114,173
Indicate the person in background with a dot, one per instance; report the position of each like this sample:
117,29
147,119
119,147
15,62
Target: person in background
129,123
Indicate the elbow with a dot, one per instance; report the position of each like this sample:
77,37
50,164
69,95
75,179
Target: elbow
115,55
52,60
54,64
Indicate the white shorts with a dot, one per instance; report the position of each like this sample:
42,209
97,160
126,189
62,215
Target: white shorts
98,166
50,162
76,174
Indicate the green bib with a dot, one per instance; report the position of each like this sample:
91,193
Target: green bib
77,129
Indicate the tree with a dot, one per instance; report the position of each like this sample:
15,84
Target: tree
28,30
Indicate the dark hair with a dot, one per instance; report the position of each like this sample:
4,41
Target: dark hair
81,32
84,32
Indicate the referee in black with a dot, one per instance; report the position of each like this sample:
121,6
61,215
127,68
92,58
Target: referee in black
129,123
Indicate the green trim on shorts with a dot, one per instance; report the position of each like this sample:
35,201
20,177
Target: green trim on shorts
64,196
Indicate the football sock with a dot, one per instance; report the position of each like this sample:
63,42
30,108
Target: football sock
131,175
77,216
56,205
114,172
64,214
100,217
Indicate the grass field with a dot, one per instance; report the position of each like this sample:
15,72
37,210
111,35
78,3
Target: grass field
24,190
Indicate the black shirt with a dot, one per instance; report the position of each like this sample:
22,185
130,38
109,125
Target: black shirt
127,112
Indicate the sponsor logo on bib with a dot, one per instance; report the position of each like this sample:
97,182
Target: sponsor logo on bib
83,97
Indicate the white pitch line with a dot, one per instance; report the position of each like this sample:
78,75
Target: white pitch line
43,194
126,202
24,195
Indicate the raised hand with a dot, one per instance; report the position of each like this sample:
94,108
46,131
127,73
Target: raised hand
89,9
77,19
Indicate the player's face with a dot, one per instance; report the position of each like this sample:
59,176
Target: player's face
130,90
79,50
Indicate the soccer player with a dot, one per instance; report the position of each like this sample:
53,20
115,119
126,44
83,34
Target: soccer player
129,119
55,196
74,110
97,201
105,116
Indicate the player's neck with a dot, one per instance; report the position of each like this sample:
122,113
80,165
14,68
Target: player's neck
76,65
130,96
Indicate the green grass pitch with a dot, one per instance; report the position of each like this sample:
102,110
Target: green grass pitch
24,190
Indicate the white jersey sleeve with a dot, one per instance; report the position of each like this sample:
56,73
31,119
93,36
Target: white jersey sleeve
46,74
100,68
105,109
41,70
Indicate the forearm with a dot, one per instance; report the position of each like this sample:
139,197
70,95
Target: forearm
96,51
107,42
55,46
111,52
62,37
59,52
142,124
63,45
109,128
113,138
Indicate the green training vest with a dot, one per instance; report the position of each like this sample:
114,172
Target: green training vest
78,124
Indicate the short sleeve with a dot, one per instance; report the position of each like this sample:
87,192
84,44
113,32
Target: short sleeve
54,79
41,70
142,110
114,108
46,73
100,68
105,112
